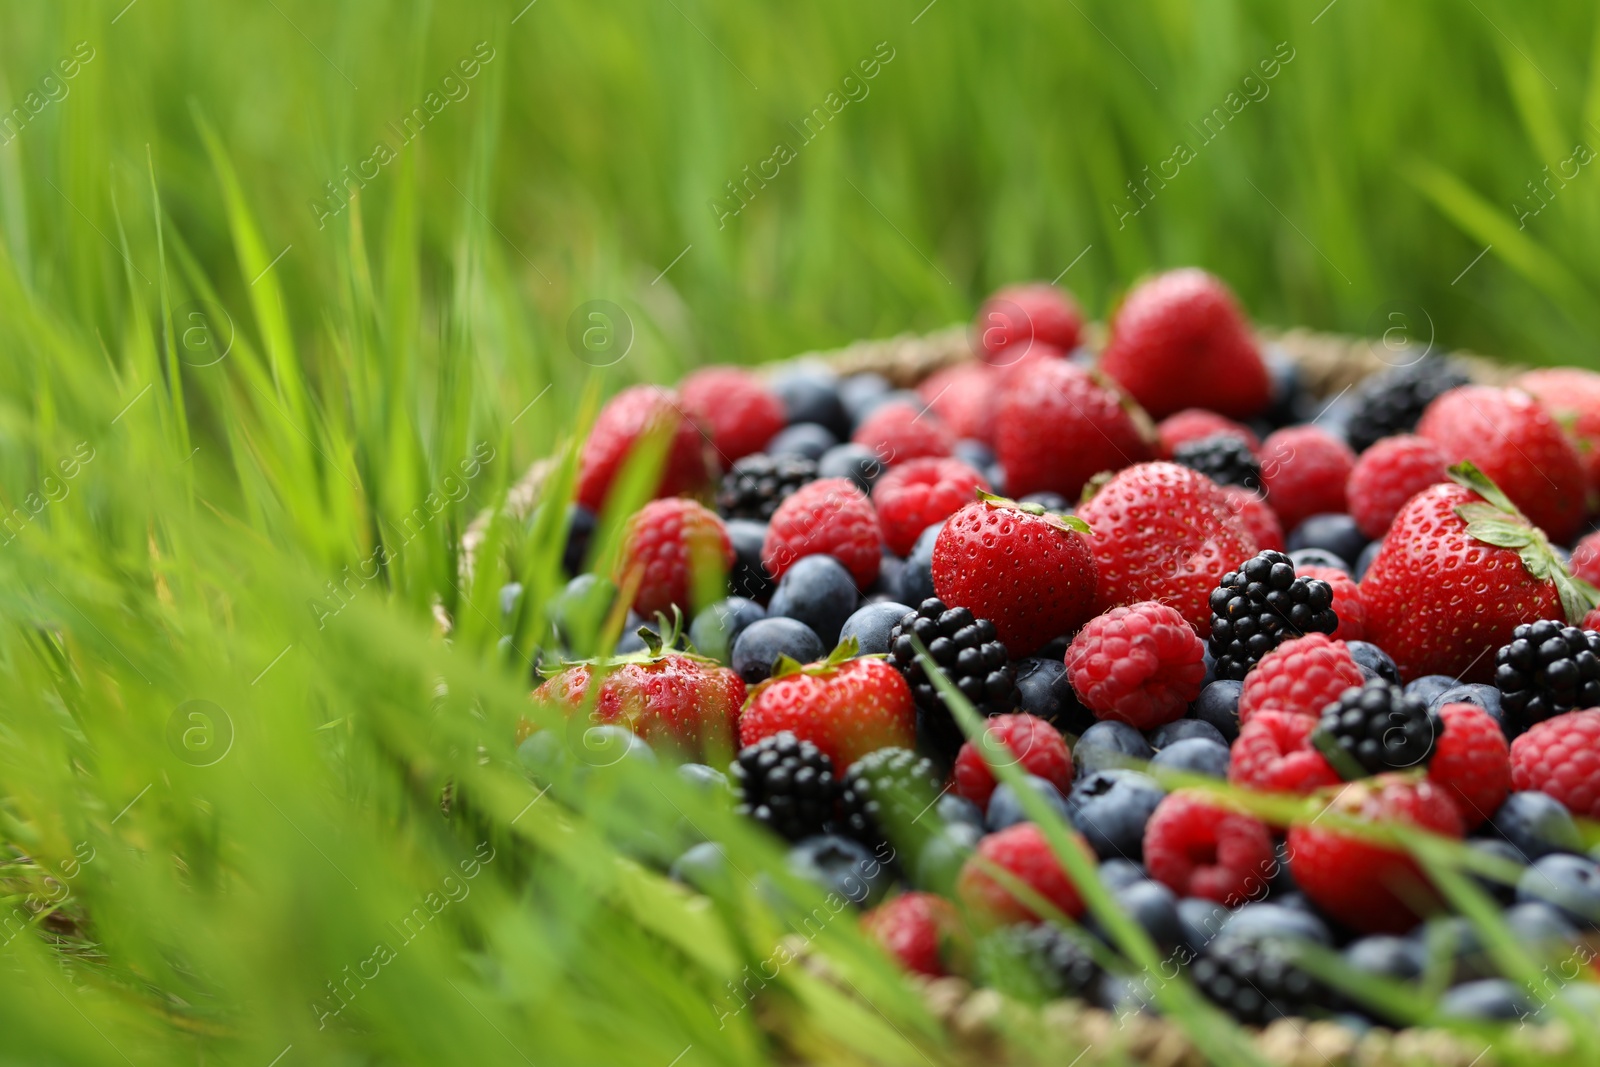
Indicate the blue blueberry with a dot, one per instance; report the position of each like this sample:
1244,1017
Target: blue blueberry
1536,824
764,640
1123,995
749,577
606,746
1202,920
544,756
974,454
860,393
1334,533
1306,557
1006,810
886,587
1118,873
1183,730
715,629
1211,665
996,473
1486,697
1429,686
1500,849
1194,755
1043,690
916,577
812,397
1218,705
1368,554
1373,661
704,867
802,439
857,462
579,610
1154,907
1542,925
1260,921
510,599
1109,744
951,809
1387,956
1110,808
580,531
870,625
703,777
1049,501
1488,999
843,866
818,591
1571,884
938,864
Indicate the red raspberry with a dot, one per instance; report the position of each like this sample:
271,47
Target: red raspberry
917,929
740,412
1573,397
1363,884
1586,560
1561,757
1305,469
1257,516
899,431
1273,753
1387,475
1472,760
678,552
1301,676
847,710
1022,851
1056,427
1194,424
1199,848
1018,738
1141,665
829,515
1347,603
914,495
624,419
1591,621
1018,315
963,396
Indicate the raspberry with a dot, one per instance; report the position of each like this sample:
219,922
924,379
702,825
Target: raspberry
916,929
1022,851
1027,740
1259,520
680,554
628,416
829,515
1347,603
1366,885
1305,469
1387,475
1586,561
1192,424
1199,848
1301,677
740,413
1140,664
1015,317
1472,761
963,396
1561,757
918,493
899,431
1273,753
1591,621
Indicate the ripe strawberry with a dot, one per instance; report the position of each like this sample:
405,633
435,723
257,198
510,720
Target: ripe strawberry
1141,664
1561,757
739,412
922,931
912,496
1273,753
1387,475
846,707
1369,885
829,516
1347,603
1018,315
1572,395
1257,515
1027,740
1056,427
1472,760
627,417
1164,532
1459,569
1199,848
1196,424
1519,446
679,553
1180,341
676,700
1586,559
1031,574
898,431
1301,676
1020,850
1305,469
963,396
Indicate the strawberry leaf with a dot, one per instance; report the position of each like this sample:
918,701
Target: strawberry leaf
785,665
1578,597
848,648
1029,507
1501,533
1467,474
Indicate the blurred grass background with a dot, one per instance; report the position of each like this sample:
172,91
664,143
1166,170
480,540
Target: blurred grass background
266,530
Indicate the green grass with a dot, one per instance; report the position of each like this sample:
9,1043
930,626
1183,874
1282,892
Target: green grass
268,531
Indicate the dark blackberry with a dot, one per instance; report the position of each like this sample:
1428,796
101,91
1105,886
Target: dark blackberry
1262,604
1391,402
1547,669
884,793
1256,982
786,784
1376,728
755,485
1223,457
1037,963
971,656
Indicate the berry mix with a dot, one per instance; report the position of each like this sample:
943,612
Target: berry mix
1143,570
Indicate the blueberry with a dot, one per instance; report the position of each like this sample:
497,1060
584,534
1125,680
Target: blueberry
1049,501
1453,939
1006,810
1194,755
857,462
1373,661
1043,690
510,599
1154,907
843,866
974,454
1305,557
916,578
1330,532
578,611
1570,883
1122,995
1117,873
1183,730
1202,920
1429,686
887,585
1542,925
1218,705
715,629
702,777
802,439
1281,879
870,625
1368,554
1536,824
996,473
607,745
952,809
749,577
764,640
939,863
860,393
1387,957
1489,999
1109,744
704,867
1486,697
580,531
1258,922
1110,809
1503,850
812,397
818,591
1211,665
544,756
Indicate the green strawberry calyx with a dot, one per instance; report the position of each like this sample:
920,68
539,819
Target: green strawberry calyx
1498,522
658,644
1065,522
847,649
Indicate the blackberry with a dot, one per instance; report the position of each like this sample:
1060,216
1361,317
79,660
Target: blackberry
971,656
1222,457
1393,401
1256,982
1262,604
1547,669
1037,963
787,785
1376,728
884,793
755,485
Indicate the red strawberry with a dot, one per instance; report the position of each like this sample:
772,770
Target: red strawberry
1472,760
1572,395
1364,883
1273,753
1347,603
1022,851
1387,475
1140,664
829,516
1164,532
846,708
1519,446
1196,424
1305,469
1031,574
627,417
681,701
1586,559
922,931
1199,848
1180,341
738,410
1443,594
678,552
1301,676
912,496
1056,427
898,431
1257,516
963,396
1027,740
1018,315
